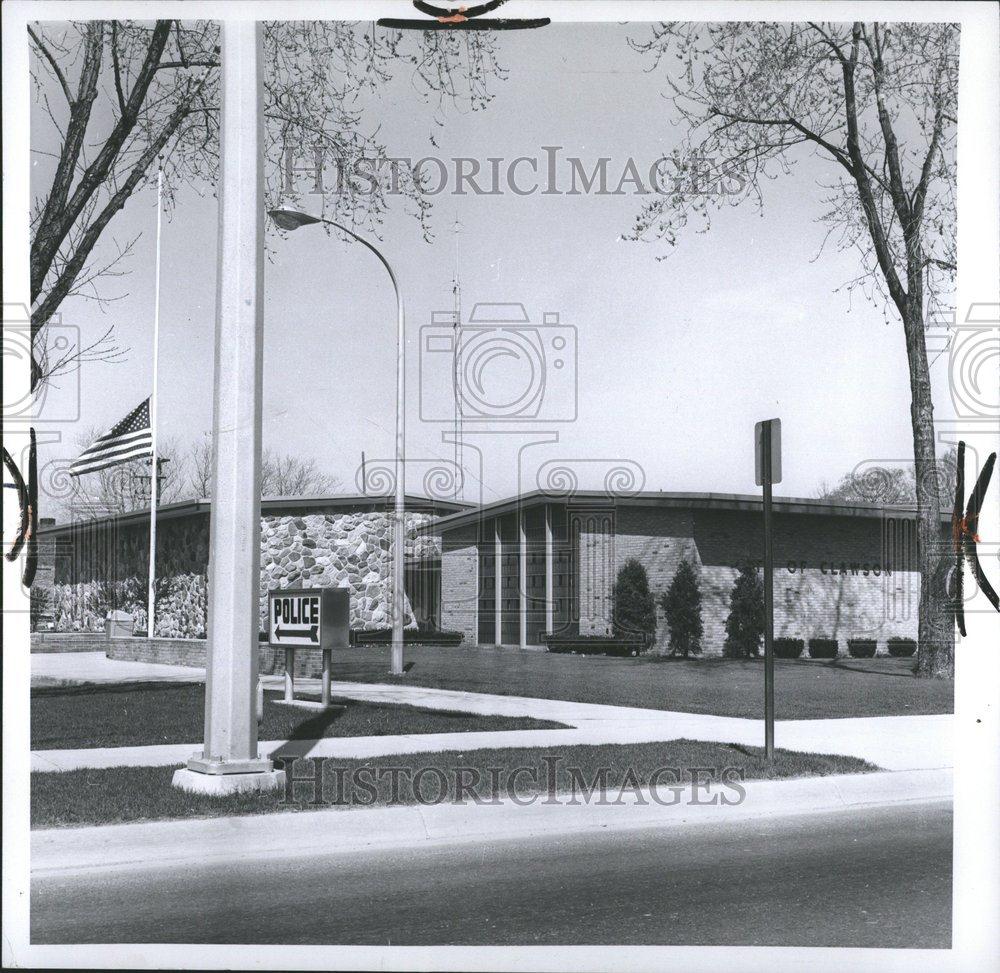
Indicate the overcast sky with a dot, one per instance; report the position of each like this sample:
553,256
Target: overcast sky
676,358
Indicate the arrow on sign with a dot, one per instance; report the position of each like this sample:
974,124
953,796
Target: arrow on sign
312,633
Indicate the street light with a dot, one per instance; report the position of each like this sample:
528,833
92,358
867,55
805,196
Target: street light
292,219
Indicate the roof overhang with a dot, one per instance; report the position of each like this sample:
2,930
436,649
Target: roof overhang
686,501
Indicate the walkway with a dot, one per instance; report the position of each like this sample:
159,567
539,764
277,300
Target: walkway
890,742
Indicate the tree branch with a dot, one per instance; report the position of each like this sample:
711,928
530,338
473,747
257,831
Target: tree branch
53,227
75,264
55,66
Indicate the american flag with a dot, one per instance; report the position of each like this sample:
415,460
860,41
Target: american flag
132,438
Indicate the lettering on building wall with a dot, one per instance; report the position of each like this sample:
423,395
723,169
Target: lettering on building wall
863,569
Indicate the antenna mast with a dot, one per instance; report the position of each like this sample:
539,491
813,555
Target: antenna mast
457,378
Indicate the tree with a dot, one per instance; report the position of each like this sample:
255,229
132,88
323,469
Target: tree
681,604
879,103
634,608
126,487
745,624
124,97
892,485
281,474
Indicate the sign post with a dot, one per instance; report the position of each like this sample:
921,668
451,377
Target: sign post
767,442
313,618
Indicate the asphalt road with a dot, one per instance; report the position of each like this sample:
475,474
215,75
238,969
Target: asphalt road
870,877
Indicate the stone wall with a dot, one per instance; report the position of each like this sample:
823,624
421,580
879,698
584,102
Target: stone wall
341,551
104,567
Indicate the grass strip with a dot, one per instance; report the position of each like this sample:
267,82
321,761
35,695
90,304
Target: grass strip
124,794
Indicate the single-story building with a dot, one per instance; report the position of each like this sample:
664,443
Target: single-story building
100,561
514,570
506,573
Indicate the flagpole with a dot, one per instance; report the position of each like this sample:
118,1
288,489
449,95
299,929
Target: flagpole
154,477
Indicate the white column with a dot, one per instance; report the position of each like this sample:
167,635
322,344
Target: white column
549,585
498,580
229,760
522,588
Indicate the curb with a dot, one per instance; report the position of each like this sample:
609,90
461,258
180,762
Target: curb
61,851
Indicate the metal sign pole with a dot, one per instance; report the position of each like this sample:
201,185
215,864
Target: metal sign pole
768,598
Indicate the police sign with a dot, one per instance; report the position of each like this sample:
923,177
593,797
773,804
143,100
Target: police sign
308,617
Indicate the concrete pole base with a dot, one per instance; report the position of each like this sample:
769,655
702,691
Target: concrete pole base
219,785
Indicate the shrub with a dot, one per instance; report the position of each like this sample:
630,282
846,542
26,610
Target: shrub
745,624
596,644
862,648
823,648
40,607
901,647
681,604
634,608
788,648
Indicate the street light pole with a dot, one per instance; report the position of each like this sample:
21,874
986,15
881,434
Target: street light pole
290,219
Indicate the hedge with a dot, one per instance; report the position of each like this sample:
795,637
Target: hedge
862,648
411,636
596,644
902,647
823,648
788,648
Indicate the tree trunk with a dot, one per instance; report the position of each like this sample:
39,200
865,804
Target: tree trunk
936,629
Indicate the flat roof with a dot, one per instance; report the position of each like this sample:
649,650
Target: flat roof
660,498
189,508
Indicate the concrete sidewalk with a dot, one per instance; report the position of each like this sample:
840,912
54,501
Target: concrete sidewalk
95,667
892,742
56,851
889,742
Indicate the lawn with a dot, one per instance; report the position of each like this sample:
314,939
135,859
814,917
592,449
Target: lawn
804,689
122,794
140,714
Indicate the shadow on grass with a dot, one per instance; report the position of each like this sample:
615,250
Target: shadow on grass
849,665
111,688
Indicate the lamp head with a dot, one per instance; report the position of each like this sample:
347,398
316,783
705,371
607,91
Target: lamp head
291,219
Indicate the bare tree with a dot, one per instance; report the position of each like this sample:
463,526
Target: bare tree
281,474
123,98
878,103
126,487
892,485
200,469
284,475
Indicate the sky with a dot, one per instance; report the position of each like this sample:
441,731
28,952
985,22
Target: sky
676,358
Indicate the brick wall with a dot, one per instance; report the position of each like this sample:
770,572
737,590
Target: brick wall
834,576
460,582
596,553
659,539
192,652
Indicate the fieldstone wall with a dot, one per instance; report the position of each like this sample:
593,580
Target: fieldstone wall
104,567
341,551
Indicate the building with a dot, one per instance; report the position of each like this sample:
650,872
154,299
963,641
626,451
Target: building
514,570
101,561
506,573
